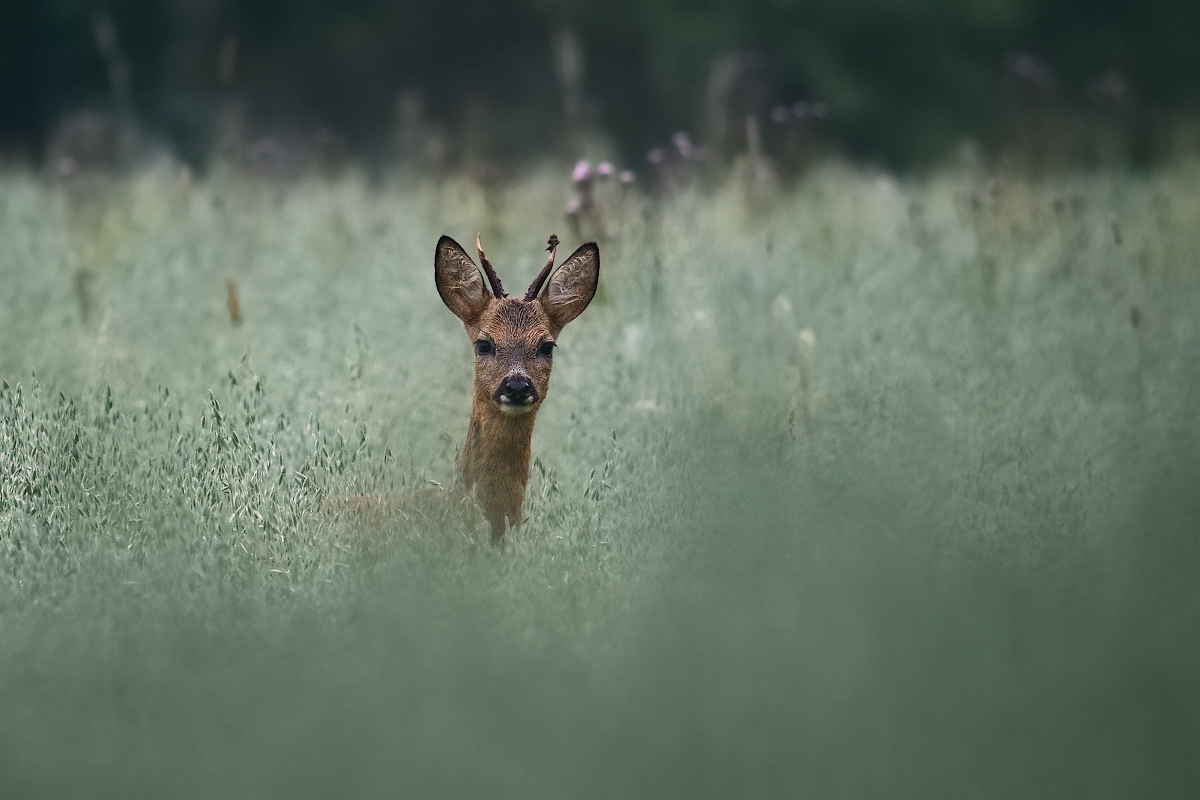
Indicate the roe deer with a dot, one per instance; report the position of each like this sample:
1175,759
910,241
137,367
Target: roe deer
514,342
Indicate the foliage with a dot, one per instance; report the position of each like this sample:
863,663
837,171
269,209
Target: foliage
906,80
865,488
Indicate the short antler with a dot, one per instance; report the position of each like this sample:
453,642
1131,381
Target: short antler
493,278
536,287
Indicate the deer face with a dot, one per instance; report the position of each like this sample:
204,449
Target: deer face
514,339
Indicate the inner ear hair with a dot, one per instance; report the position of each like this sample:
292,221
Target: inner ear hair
458,281
572,287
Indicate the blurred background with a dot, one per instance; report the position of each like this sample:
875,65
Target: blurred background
869,472
485,84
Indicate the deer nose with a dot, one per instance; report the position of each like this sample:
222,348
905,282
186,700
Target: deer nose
516,390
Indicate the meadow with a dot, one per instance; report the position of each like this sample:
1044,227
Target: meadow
866,487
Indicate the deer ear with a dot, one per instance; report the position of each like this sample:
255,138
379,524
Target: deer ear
458,281
572,287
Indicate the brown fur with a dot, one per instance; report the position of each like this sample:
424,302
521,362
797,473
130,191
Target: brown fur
495,461
433,503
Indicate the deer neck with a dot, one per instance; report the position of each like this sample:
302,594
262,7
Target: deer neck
495,463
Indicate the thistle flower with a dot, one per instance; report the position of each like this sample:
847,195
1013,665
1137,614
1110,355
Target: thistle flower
66,167
582,172
1112,88
1029,69
683,144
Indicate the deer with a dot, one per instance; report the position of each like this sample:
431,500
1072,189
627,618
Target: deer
514,341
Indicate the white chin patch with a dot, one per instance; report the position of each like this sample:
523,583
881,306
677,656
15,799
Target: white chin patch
515,409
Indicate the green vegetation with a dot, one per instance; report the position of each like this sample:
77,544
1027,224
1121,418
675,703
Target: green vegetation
905,81
872,489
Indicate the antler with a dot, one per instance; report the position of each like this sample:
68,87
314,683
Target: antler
493,278
536,287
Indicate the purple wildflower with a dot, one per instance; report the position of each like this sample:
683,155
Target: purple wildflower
582,173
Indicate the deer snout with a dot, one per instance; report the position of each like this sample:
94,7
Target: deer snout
516,392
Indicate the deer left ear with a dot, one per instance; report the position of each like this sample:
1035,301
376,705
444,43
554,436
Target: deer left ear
572,287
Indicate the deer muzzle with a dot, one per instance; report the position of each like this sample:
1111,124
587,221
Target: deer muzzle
516,394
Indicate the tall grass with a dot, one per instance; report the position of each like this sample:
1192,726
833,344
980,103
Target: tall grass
870,488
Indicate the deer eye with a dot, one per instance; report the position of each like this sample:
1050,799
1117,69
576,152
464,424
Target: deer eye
546,349
483,347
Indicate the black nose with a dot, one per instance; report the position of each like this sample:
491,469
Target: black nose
516,390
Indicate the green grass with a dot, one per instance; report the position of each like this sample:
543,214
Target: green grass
868,489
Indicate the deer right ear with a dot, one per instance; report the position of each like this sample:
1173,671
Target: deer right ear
458,281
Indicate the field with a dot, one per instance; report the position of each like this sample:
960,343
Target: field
869,487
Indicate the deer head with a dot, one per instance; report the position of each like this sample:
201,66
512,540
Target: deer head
514,338
514,342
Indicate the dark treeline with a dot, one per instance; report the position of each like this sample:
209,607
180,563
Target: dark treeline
901,81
